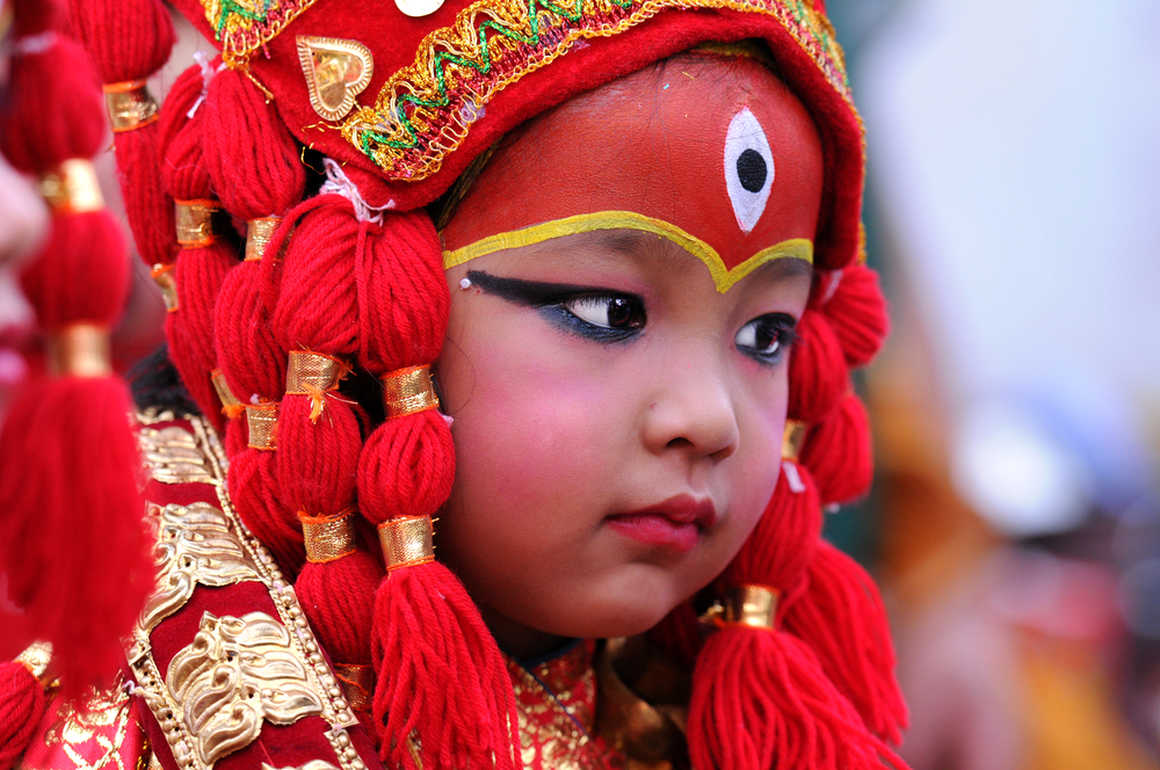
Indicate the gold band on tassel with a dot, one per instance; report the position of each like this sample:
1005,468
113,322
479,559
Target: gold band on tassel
72,187
792,439
37,658
231,406
407,391
407,541
358,684
313,374
327,538
80,350
262,421
258,235
166,280
194,222
752,605
130,105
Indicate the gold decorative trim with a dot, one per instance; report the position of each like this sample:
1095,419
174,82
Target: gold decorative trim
302,645
72,187
723,277
752,605
237,674
173,456
313,374
130,105
792,439
79,350
258,234
327,539
166,280
195,546
407,391
262,420
336,71
407,541
193,221
314,764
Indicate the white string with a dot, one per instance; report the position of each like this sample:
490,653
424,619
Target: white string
33,44
793,478
338,183
834,279
207,74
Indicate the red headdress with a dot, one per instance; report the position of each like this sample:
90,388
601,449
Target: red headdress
799,673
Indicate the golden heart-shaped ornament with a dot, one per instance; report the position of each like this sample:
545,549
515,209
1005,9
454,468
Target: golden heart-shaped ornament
336,72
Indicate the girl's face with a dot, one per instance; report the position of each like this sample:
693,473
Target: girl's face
617,369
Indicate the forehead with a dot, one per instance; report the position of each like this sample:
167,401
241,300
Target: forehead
713,152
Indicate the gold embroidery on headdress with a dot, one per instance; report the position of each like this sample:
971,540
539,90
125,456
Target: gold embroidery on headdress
336,72
130,105
72,187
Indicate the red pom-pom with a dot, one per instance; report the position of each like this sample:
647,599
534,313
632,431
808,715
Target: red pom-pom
22,706
76,551
818,376
338,599
842,618
128,39
852,301
839,453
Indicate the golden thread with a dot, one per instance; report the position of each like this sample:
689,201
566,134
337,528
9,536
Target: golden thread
232,408
193,221
407,391
328,538
313,374
80,350
72,187
358,684
792,439
407,541
752,605
130,105
166,280
262,421
723,277
258,235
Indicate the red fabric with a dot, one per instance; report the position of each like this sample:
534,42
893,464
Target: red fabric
395,38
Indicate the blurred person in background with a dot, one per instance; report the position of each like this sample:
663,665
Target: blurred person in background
1012,194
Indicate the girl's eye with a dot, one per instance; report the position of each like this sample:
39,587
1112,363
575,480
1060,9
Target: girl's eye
607,311
766,338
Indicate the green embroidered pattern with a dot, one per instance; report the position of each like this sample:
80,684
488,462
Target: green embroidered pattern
243,26
424,111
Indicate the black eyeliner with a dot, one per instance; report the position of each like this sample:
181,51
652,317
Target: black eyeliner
532,293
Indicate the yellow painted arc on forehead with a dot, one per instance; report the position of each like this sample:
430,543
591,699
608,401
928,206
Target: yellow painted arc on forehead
723,278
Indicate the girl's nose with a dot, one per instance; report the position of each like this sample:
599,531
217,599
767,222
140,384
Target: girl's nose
692,411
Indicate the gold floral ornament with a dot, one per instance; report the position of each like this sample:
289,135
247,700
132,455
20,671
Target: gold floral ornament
236,674
314,374
336,72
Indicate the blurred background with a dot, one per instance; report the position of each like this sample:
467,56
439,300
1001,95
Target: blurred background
1012,209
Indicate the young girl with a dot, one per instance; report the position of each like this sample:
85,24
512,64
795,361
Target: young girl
648,223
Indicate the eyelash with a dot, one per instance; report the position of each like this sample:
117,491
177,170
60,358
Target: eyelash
556,311
783,327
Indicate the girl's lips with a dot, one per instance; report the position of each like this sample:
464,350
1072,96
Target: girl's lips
676,523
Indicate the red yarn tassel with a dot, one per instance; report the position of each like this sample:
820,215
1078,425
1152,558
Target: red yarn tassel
761,698
818,376
842,618
839,453
852,301
22,706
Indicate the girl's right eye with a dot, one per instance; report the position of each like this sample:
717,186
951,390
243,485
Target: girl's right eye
607,311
